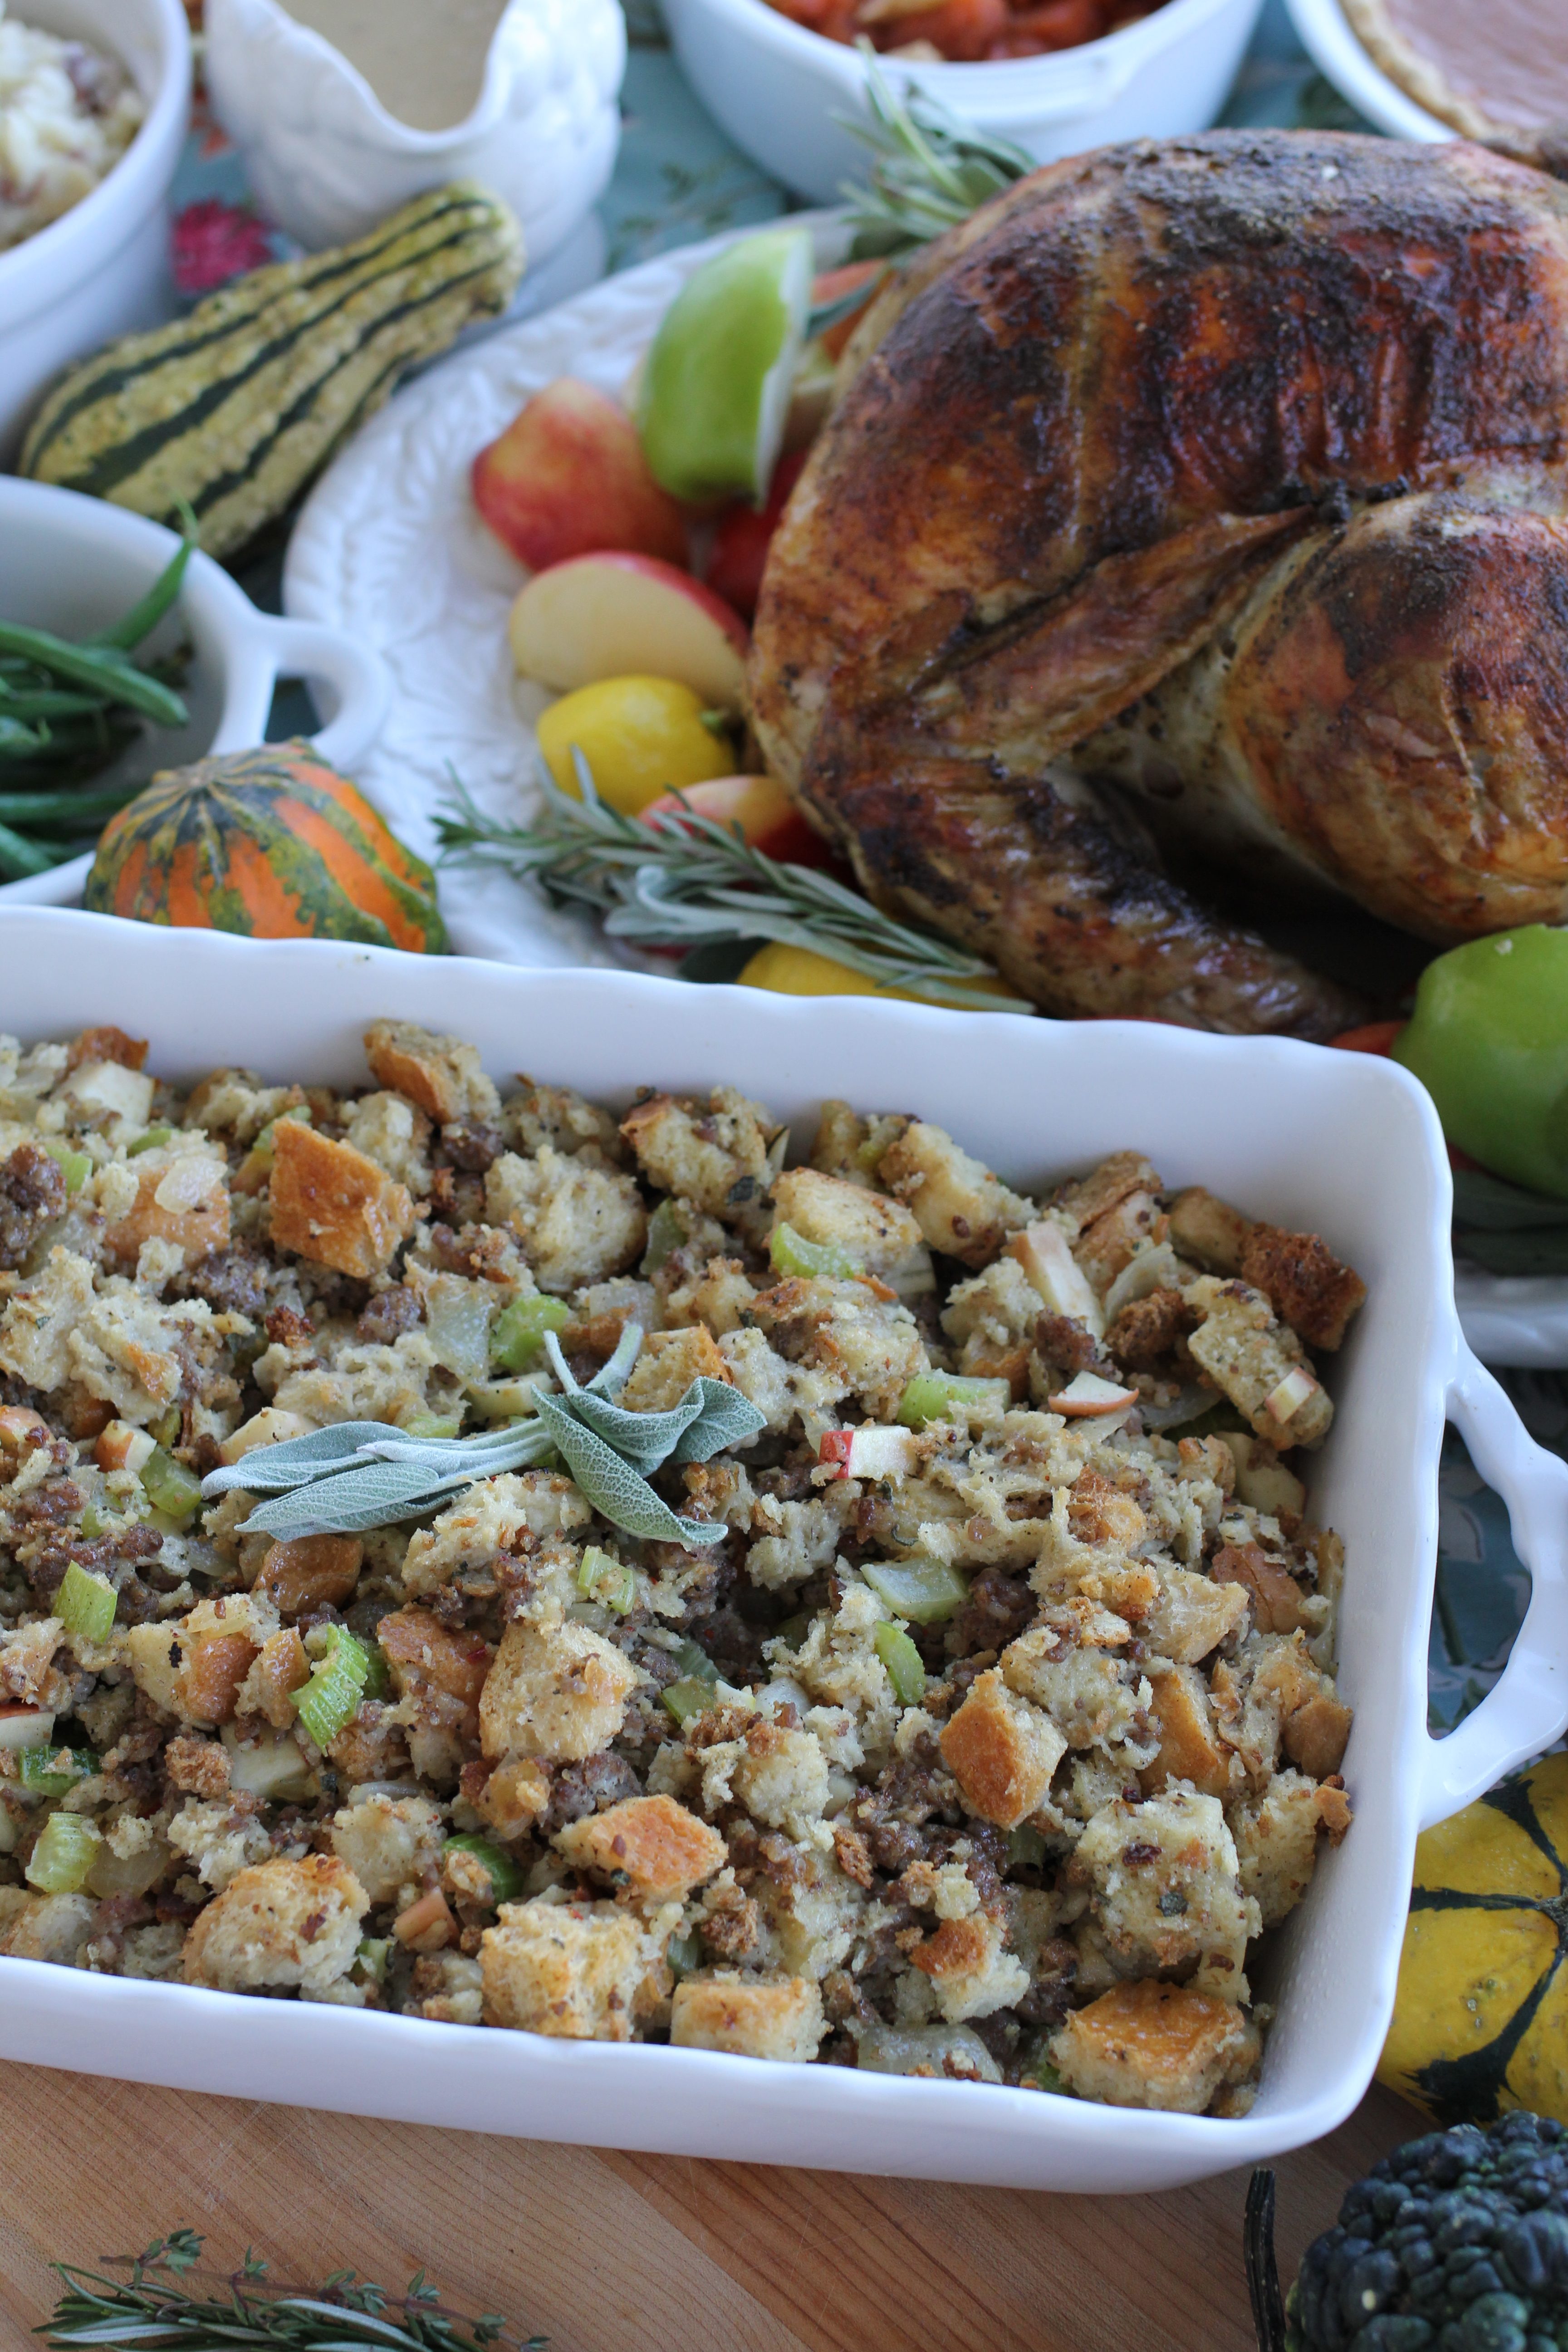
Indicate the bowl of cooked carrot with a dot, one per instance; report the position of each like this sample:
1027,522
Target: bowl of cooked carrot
1053,76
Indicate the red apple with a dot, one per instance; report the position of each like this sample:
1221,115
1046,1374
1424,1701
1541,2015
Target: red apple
769,820
622,615
568,476
740,543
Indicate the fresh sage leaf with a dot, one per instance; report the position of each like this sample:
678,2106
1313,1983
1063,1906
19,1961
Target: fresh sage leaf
726,1418
615,1489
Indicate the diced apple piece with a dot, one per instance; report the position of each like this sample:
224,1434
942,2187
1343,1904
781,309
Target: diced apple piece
870,1453
269,1765
1285,1400
768,818
1043,1252
742,541
21,1429
25,1727
568,477
1086,1395
271,1426
1261,1478
620,614
121,1447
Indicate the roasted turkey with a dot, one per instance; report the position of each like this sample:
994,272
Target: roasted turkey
1199,506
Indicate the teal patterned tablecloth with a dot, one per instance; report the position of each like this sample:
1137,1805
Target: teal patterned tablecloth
680,179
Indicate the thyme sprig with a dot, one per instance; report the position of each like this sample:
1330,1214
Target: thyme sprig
676,877
359,1475
346,2314
931,169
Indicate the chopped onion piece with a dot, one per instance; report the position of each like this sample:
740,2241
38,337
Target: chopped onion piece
25,1727
925,1591
1087,1394
1283,1402
1152,1266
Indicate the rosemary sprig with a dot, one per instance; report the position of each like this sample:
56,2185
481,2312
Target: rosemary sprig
347,2313
930,171
681,877
359,1475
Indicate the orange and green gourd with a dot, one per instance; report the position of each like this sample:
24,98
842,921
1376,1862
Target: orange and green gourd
269,842
1480,2020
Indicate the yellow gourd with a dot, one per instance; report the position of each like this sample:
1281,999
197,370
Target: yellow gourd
1480,2021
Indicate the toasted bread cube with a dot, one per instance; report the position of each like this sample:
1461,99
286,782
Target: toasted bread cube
1164,1887
181,1197
278,1924
559,1116
970,1973
652,1846
310,1572
1273,1592
280,1669
1188,1748
959,1205
559,1691
669,1363
1317,1734
44,1927
878,1233
388,1843
515,1795
1099,1513
508,1514
1275,1834
1002,1751
1251,1357
575,1971
1090,1197
1103,1248
1192,1616
577,1223
332,1205
1067,1665
750,2016
1156,2045
442,1075
714,1155
1311,1290
1208,1230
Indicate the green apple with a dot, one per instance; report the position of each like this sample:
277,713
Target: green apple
714,398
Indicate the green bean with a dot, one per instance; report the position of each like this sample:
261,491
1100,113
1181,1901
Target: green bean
60,807
19,858
17,742
144,617
46,702
105,669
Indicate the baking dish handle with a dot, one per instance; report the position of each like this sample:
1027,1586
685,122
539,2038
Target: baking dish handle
356,678
1528,1709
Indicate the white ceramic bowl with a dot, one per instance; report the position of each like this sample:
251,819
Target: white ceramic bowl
776,87
103,267
326,161
1344,1142
73,564
1335,48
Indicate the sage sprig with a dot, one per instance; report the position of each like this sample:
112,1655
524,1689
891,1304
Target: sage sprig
359,1475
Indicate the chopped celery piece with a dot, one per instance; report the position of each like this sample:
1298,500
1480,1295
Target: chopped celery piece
506,1879
66,1850
74,1166
371,1959
169,1487
902,1660
695,1664
85,1605
516,1335
602,1576
50,1771
684,1953
151,1140
166,1430
265,1147
792,1253
91,1521
330,1698
378,1673
793,1630
943,1396
1036,2072
926,1590
687,1699
432,1424
1025,1848
665,1235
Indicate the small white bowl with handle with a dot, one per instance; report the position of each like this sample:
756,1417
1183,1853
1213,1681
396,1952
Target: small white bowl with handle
73,564
776,87
326,161
102,268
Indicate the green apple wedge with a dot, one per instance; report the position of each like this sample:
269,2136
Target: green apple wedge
715,394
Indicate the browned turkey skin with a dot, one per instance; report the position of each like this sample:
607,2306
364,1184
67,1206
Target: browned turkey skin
1233,470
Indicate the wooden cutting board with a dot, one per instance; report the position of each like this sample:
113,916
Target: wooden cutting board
638,2253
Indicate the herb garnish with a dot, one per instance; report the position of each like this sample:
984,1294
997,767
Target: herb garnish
347,2313
359,1475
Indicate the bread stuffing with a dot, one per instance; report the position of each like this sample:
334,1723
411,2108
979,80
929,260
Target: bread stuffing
837,1607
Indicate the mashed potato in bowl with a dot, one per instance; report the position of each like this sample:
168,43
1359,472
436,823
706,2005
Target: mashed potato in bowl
67,114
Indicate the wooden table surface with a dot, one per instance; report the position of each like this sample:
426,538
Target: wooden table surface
602,2252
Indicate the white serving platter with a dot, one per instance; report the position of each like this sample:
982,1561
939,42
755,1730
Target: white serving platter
1334,47
1345,1142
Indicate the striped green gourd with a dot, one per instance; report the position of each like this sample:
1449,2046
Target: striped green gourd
237,408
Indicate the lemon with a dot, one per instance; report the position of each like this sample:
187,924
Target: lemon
640,736
800,971
714,397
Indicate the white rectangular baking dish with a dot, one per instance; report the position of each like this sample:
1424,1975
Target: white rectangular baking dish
1344,1143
